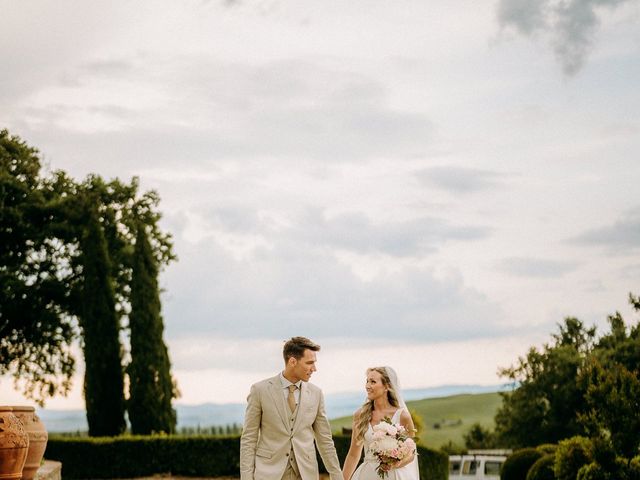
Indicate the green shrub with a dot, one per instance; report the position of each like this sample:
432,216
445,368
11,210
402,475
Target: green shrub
542,469
547,448
634,468
451,448
591,471
195,456
517,465
139,456
433,465
572,454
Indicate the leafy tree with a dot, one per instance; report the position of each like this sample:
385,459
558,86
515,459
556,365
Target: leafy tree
36,330
117,208
46,260
103,381
150,384
620,345
543,409
479,437
612,387
613,400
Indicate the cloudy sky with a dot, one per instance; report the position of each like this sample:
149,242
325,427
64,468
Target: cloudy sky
431,185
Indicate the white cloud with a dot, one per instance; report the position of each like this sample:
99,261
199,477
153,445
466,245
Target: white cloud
304,287
461,180
350,169
537,267
623,236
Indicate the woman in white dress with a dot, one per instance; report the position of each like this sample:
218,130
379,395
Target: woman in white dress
384,399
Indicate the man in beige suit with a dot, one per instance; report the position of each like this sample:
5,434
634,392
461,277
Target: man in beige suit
284,416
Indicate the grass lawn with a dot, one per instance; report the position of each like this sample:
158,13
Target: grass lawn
454,415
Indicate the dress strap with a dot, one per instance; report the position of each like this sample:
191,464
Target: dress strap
396,415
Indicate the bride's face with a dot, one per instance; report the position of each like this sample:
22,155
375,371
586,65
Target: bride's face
375,388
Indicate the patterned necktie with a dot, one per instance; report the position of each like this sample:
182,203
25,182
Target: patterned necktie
291,400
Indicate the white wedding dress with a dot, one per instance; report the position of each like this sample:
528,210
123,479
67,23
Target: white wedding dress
367,469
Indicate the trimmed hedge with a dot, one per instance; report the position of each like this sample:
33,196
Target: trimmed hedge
572,454
547,448
542,469
517,465
195,456
434,465
140,456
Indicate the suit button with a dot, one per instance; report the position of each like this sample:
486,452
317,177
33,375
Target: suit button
287,455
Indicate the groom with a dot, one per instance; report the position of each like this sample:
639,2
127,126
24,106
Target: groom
284,415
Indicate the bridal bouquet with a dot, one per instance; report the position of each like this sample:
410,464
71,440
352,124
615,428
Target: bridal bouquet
391,444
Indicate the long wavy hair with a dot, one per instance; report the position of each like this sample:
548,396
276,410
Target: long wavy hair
363,420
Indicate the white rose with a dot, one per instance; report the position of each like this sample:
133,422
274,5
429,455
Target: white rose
386,443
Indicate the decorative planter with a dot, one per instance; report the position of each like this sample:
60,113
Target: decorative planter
37,439
14,444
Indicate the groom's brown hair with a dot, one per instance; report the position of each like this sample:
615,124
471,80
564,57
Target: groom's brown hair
296,346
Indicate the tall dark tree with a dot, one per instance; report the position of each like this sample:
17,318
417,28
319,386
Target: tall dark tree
150,384
36,329
103,382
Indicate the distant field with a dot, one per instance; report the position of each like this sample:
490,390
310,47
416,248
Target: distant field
454,414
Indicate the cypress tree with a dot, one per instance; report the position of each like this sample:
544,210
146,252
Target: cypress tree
103,380
151,387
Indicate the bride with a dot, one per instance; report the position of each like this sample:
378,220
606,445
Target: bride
383,400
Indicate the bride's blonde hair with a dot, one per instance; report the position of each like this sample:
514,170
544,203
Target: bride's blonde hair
364,418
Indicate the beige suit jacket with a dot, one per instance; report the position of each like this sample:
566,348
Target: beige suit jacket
267,437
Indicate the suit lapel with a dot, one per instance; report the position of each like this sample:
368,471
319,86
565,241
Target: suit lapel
278,399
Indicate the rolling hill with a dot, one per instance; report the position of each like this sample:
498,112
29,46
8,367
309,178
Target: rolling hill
447,418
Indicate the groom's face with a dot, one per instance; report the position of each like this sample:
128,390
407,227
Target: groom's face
305,366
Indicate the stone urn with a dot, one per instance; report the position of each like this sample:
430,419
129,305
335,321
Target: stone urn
14,444
37,439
